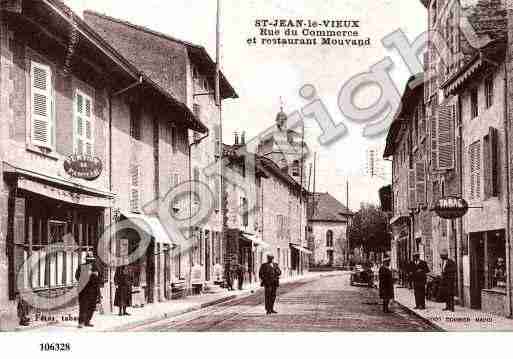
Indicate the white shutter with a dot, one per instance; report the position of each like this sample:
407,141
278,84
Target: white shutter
41,100
446,115
135,194
84,124
421,182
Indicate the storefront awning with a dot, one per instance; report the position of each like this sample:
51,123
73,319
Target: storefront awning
162,233
61,194
256,241
301,249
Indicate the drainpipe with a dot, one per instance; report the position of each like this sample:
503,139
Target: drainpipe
509,303
111,289
190,145
459,243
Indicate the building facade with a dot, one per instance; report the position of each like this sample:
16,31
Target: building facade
328,220
467,121
188,72
69,98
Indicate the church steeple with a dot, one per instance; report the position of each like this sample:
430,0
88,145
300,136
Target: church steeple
281,118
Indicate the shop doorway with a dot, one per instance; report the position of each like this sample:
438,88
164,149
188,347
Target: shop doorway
477,249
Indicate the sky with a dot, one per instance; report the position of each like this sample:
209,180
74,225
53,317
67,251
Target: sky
267,76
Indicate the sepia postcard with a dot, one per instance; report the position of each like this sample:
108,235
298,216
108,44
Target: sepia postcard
255,166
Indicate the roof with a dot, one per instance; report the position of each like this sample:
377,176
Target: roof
413,92
59,14
273,168
323,207
198,53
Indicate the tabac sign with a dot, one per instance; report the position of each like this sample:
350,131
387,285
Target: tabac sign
451,207
83,166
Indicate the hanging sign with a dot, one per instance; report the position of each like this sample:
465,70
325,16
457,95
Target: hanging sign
83,166
451,207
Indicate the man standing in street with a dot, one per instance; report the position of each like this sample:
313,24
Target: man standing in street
270,278
419,273
88,276
448,280
386,284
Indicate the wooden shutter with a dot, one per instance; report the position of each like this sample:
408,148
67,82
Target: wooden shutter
491,164
475,170
412,189
446,115
41,99
17,244
84,126
421,182
434,140
135,193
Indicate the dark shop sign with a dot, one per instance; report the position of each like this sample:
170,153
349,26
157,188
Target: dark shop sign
451,207
83,166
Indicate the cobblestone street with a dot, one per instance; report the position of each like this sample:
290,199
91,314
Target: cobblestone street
324,304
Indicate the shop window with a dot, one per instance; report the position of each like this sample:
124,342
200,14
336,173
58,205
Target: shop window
83,124
42,117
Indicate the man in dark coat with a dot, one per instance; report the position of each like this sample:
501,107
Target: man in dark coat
269,275
448,280
123,296
88,276
239,274
418,275
228,276
386,284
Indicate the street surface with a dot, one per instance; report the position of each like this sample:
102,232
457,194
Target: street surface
320,305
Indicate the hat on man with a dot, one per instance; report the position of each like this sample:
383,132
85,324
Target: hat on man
269,255
444,252
90,256
386,259
416,254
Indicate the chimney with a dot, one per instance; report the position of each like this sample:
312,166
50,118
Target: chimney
243,138
236,134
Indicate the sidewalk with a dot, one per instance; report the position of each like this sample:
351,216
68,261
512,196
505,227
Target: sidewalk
463,319
155,311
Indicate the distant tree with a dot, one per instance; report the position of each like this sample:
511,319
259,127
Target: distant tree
369,230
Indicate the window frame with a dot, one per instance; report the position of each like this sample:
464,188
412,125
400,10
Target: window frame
51,145
78,92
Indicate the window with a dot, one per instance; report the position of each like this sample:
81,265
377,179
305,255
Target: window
135,193
42,105
135,122
475,170
83,124
489,91
491,170
217,139
329,238
245,212
474,111
295,168
174,139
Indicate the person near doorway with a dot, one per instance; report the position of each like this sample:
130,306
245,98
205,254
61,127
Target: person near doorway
228,276
88,276
419,278
123,295
386,284
269,275
448,280
499,273
239,275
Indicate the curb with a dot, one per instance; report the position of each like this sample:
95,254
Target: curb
421,317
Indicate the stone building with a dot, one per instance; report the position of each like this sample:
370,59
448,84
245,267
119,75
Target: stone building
68,98
466,94
188,72
328,220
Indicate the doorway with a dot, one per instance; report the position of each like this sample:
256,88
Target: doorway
477,275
